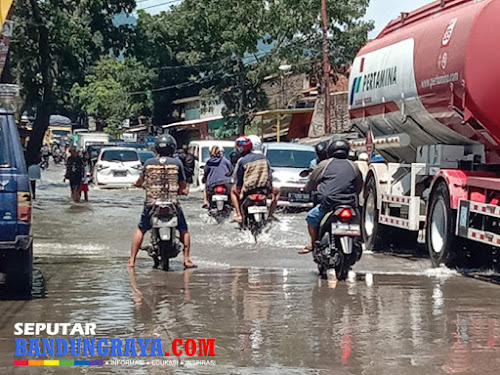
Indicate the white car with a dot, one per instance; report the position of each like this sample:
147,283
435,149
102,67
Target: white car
117,167
287,161
201,150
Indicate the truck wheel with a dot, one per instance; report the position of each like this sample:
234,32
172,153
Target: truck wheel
19,278
440,238
371,229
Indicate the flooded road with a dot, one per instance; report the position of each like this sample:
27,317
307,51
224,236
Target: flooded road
263,303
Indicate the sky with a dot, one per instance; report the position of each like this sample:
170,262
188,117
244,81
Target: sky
381,11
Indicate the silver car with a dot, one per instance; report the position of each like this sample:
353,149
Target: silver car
287,161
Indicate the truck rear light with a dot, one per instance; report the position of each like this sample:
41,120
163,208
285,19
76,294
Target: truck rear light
220,189
24,206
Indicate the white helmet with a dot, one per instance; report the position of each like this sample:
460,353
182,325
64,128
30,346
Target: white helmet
257,143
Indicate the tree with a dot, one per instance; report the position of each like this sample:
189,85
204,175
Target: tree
150,43
224,41
114,91
54,44
218,37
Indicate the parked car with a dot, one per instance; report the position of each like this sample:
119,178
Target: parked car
287,161
16,245
117,167
145,155
201,151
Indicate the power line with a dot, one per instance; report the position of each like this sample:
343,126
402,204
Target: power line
159,5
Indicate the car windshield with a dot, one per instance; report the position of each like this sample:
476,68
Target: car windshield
120,155
4,146
205,153
144,156
290,158
62,133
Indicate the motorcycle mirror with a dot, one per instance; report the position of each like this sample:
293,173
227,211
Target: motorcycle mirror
305,173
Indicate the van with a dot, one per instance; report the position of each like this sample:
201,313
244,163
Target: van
201,152
57,134
16,245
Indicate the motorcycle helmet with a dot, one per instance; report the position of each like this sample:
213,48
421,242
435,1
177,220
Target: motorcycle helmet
256,143
165,145
338,148
243,145
321,150
215,151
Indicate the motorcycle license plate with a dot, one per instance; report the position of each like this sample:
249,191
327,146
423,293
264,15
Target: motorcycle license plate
299,197
217,198
351,230
120,173
257,210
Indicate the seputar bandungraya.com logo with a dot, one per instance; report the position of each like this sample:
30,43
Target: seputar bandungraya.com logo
73,344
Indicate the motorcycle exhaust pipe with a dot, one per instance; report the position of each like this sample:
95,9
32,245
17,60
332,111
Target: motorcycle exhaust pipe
347,244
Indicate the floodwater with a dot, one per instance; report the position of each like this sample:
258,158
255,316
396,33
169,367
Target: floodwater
263,303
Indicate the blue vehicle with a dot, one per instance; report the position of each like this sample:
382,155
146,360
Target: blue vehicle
16,245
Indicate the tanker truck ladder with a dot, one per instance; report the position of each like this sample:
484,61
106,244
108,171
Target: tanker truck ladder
400,205
478,216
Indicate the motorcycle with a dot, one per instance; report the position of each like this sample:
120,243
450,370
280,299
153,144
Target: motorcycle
165,244
58,158
219,203
255,213
44,162
339,245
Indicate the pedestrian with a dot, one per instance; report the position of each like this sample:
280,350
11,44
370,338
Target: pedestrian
74,173
188,162
34,174
84,187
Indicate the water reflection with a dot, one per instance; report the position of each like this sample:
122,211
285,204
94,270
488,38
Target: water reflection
277,322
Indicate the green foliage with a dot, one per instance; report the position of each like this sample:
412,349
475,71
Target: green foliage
114,91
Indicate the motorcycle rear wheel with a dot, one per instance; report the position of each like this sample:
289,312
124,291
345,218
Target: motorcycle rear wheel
165,249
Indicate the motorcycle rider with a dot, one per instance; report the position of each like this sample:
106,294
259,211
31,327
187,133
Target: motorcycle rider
218,171
337,180
165,146
253,173
45,153
321,153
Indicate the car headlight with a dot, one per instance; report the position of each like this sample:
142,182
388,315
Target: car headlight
276,179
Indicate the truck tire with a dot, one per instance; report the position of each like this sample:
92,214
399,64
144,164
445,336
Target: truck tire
19,278
380,237
373,232
442,244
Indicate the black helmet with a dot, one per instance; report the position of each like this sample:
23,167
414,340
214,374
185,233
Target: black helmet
338,148
321,150
165,145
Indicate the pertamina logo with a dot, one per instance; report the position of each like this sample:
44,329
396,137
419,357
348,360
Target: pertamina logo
373,80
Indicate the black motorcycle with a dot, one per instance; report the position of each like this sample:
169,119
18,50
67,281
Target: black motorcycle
339,244
165,244
220,207
255,213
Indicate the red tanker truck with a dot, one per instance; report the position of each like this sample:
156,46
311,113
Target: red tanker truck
425,94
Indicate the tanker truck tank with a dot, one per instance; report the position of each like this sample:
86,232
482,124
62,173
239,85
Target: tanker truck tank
432,74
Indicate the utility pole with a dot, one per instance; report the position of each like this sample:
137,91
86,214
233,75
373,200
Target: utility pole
326,68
